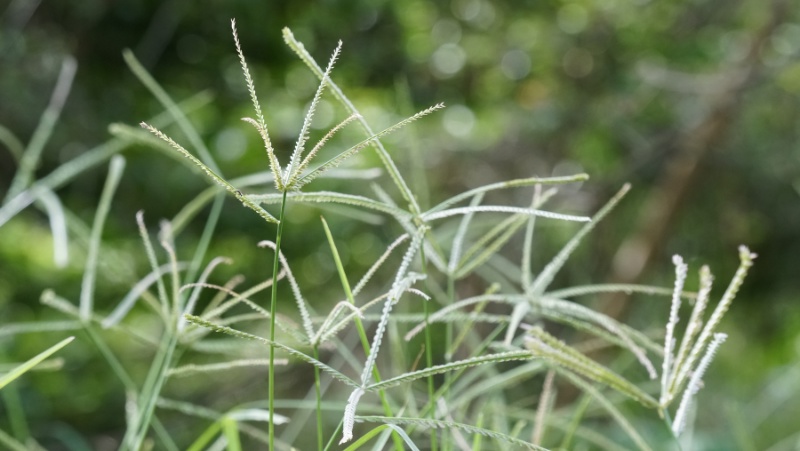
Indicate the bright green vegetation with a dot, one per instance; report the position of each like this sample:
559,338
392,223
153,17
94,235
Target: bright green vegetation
416,320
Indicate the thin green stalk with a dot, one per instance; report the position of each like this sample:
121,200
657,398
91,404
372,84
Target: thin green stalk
112,360
429,352
335,433
274,296
205,238
318,390
576,420
429,362
448,350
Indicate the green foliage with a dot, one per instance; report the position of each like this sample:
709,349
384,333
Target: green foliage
486,276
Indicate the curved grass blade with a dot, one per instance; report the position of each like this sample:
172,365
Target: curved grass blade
545,277
458,239
92,157
32,153
12,329
12,443
627,288
12,143
122,309
615,327
115,169
192,369
507,184
58,226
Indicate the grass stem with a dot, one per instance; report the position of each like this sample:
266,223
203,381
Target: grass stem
273,298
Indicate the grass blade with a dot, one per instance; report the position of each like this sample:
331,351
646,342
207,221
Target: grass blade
545,277
25,367
58,226
115,169
30,157
86,160
507,184
439,424
452,366
174,110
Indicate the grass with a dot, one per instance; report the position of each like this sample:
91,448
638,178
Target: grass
460,395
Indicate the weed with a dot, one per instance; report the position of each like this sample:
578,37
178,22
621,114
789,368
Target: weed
494,338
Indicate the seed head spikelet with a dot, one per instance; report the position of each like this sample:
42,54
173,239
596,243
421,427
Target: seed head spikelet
322,142
695,383
337,160
259,123
502,209
292,171
669,339
402,281
387,161
746,261
274,164
350,415
694,325
246,71
211,174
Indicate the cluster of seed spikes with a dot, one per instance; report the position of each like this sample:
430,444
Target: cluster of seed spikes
681,372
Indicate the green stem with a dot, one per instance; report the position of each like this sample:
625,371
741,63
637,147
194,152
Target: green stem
335,433
449,349
319,400
272,324
429,362
429,356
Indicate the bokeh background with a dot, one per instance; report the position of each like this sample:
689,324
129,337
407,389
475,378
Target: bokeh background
694,102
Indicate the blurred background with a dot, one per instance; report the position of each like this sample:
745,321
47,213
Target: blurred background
696,103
